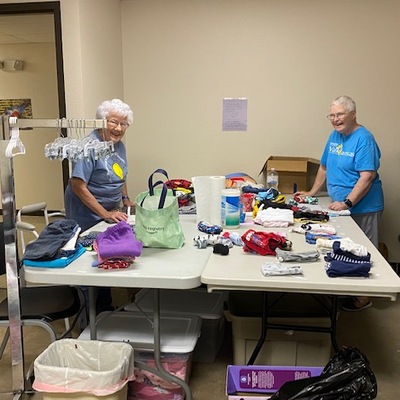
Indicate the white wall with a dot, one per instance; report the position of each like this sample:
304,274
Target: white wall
92,47
289,58
176,60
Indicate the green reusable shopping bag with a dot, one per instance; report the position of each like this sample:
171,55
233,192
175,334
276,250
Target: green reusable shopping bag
157,216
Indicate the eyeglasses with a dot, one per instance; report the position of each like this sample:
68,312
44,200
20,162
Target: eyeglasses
113,124
340,115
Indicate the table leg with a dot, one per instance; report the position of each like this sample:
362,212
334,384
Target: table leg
157,349
261,340
92,312
264,325
334,323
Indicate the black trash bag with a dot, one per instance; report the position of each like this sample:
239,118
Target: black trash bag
347,376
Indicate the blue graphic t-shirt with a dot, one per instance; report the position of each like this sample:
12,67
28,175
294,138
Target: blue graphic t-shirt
104,178
344,157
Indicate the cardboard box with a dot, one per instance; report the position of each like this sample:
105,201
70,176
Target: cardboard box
119,395
294,172
282,347
290,348
264,379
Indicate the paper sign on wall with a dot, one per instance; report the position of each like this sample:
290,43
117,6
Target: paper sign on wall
234,114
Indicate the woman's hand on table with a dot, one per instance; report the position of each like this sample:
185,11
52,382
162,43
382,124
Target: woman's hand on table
302,194
116,216
338,206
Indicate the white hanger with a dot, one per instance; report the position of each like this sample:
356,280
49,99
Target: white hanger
77,147
15,141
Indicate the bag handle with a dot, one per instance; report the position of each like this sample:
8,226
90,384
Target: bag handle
163,194
152,185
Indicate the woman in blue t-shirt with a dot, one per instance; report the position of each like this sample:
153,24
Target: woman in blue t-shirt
98,184
349,165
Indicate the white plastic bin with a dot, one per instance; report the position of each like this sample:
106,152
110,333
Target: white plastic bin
207,306
79,369
178,336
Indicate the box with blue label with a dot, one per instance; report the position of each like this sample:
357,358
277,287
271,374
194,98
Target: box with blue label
264,379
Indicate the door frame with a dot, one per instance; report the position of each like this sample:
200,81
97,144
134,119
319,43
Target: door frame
51,7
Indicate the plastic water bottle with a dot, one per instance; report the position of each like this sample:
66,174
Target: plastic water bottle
272,179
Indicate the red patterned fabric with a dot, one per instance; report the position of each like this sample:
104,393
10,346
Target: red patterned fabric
263,243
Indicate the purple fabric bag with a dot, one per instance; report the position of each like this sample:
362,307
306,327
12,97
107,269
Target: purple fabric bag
118,241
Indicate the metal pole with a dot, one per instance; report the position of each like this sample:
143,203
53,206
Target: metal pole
13,297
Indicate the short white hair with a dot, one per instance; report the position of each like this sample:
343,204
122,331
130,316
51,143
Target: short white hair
116,106
347,102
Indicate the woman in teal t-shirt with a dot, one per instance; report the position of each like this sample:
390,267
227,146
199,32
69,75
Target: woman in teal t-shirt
349,165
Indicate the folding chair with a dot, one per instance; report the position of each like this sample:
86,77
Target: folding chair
34,209
41,305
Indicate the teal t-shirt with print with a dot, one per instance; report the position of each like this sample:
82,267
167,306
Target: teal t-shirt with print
344,157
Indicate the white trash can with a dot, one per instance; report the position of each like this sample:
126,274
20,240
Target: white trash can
84,370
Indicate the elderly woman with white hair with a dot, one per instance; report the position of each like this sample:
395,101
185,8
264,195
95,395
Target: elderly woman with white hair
349,165
97,186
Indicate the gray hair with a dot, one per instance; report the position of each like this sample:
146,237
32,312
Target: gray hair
116,106
347,102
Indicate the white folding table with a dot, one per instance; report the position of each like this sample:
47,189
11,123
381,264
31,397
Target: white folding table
188,267
155,268
241,271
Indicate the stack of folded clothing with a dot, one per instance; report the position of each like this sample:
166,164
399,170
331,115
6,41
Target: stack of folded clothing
348,259
56,246
303,200
291,256
319,228
312,216
117,247
313,232
312,237
274,217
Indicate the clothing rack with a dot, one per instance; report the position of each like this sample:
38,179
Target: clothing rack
9,226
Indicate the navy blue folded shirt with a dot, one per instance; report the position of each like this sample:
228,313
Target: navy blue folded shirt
340,268
53,237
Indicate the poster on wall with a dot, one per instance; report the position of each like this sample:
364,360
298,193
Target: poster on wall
234,114
20,108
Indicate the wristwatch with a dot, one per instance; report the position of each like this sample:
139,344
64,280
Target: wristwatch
348,203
